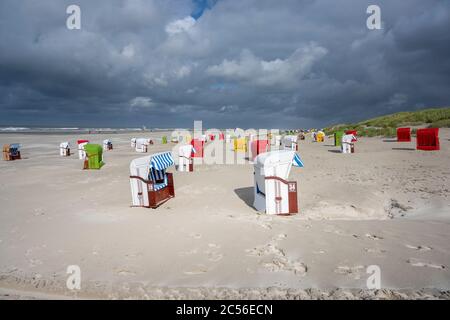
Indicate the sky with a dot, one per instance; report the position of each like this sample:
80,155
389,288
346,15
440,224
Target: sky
229,63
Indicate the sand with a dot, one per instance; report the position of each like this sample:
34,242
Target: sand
386,205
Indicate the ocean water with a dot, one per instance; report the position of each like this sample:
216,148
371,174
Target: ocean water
70,130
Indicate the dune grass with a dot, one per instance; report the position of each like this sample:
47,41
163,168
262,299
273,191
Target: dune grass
387,125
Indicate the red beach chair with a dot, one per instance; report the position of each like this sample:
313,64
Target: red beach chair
258,146
403,134
428,139
198,146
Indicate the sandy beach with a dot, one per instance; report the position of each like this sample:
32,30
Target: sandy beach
386,205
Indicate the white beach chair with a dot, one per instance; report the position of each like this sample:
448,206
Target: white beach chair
276,140
185,161
107,145
81,152
347,145
290,143
64,149
151,185
133,142
273,193
142,145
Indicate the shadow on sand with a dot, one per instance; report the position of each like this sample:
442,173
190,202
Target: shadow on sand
404,149
246,195
335,151
390,140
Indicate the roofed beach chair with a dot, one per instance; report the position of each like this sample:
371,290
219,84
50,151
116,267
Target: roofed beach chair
338,138
320,136
273,194
185,161
133,142
240,145
348,143
11,152
428,139
81,152
198,145
403,134
257,147
94,156
107,145
151,184
290,143
142,145
64,149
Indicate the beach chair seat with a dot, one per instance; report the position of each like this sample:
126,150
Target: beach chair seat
273,193
151,184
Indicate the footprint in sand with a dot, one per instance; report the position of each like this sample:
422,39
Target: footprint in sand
214,256
195,235
124,272
189,252
354,271
200,269
279,237
374,250
419,248
274,259
419,263
373,237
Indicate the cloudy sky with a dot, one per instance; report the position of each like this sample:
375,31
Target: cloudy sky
247,63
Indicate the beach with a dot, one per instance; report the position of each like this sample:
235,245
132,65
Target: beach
387,205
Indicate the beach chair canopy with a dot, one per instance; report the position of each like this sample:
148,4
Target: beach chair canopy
106,141
161,161
157,169
15,146
64,145
277,163
142,141
186,151
348,138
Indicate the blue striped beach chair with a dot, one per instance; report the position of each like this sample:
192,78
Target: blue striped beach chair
151,184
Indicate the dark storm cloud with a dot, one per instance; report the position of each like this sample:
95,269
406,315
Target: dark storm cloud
255,63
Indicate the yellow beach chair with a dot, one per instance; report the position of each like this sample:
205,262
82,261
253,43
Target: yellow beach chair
240,145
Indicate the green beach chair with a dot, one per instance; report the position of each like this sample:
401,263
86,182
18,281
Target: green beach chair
94,153
164,140
338,138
